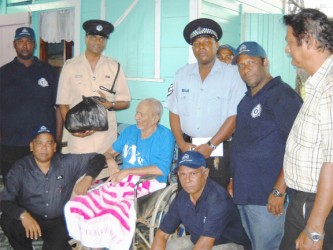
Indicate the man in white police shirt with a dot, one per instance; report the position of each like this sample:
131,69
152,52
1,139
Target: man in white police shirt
203,99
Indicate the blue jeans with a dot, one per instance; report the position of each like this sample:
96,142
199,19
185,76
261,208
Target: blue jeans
264,229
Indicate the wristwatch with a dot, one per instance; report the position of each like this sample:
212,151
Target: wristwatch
277,193
314,236
113,104
210,144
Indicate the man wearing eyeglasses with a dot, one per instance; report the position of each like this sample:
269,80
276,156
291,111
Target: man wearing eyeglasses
264,118
204,208
203,99
93,74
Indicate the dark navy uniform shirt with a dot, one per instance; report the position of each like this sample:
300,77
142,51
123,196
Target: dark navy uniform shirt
28,188
27,100
214,215
257,149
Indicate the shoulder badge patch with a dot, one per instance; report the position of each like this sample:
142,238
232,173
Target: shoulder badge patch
170,89
256,111
43,82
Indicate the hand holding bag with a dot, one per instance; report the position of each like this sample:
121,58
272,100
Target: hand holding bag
89,114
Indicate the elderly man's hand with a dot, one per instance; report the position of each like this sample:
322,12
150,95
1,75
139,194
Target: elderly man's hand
117,177
31,226
112,166
82,186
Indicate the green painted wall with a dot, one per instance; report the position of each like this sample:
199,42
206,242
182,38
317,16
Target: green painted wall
132,42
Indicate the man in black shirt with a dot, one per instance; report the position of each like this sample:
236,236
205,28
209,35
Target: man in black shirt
37,188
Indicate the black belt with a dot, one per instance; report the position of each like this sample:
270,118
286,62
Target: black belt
188,138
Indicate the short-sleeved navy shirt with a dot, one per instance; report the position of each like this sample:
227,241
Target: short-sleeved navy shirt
262,126
215,215
27,100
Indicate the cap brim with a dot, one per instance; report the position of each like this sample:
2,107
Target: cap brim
248,53
21,36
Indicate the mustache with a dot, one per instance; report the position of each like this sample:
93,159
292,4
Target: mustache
24,57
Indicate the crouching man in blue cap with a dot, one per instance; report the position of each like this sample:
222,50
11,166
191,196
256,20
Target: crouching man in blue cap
204,208
37,188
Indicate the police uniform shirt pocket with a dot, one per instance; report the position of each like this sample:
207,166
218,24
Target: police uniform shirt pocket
214,105
186,102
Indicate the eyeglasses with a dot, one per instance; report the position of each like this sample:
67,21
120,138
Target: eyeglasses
41,144
203,43
192,175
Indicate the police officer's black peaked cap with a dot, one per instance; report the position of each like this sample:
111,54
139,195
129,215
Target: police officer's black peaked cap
98,27
202,27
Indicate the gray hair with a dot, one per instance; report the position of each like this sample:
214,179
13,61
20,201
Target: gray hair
311,22
155,104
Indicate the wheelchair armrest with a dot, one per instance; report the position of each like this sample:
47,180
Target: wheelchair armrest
141,179
146,178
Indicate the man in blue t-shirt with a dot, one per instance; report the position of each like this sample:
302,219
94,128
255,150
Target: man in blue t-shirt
146,148
204,208
264,118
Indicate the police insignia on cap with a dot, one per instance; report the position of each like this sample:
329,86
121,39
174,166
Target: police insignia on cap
202,27
99,27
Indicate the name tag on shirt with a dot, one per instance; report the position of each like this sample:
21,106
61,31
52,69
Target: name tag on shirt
202,140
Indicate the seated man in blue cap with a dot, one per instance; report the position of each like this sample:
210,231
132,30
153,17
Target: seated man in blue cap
226,53
204,208
37,188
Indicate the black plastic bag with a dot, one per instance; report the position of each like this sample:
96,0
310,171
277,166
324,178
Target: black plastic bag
88,114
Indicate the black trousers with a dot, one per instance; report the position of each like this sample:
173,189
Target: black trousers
10,154
296,220
54,233
219,167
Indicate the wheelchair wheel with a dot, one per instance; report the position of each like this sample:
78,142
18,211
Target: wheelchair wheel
162,206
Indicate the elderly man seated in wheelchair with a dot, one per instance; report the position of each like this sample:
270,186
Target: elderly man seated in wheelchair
105,217
205,209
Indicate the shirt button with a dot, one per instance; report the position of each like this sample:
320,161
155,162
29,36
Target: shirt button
46,191
45,216
47,204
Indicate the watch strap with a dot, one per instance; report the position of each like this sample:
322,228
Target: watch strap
314,236
210,144
277,193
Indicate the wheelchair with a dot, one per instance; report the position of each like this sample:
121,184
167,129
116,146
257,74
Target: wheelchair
149,208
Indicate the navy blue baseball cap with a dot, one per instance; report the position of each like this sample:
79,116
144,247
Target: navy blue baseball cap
202,27
98,27
227,46
191,159
250,49
42,129
25,32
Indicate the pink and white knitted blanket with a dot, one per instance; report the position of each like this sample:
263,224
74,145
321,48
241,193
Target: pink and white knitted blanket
106,217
